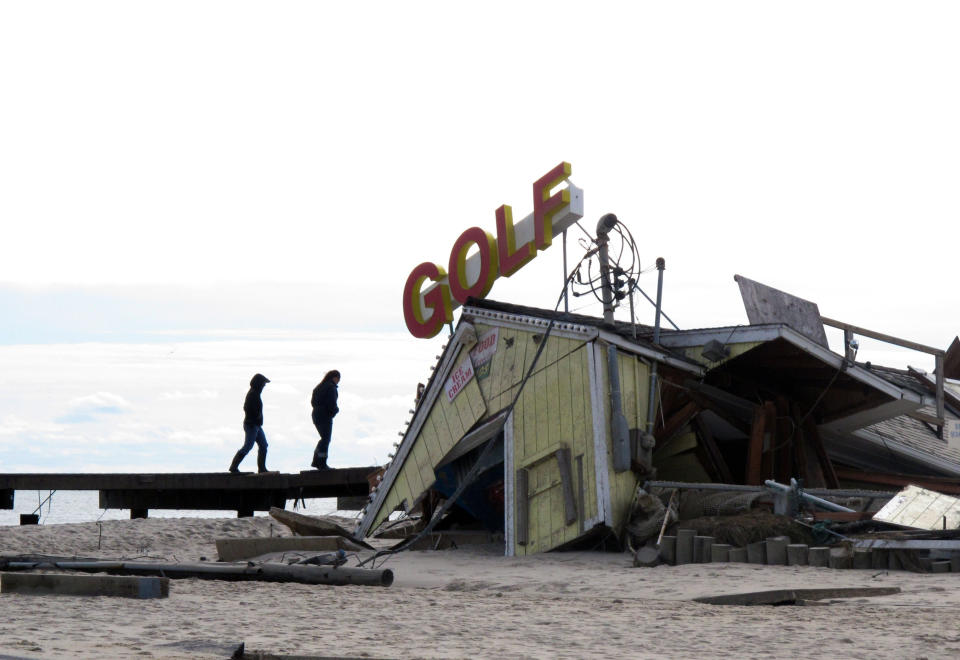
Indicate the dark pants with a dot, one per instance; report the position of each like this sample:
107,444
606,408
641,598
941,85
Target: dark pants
254,434
325,429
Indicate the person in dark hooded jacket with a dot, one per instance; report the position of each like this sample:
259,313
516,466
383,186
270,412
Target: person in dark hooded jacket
324,404
253,426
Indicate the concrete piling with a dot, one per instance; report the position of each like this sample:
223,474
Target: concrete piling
668,550
862,558
738,555
701,549
819,557
797,554
777,550
757,552
719,553
685,545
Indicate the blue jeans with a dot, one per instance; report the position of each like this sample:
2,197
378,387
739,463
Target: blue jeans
324,427
254,434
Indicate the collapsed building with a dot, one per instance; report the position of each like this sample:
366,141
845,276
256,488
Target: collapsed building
562,460
542,424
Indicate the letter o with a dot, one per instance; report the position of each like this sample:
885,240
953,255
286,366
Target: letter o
460,289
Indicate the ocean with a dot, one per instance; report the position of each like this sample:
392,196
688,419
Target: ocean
82,506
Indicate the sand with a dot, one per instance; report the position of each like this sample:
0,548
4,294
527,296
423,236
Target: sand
465,603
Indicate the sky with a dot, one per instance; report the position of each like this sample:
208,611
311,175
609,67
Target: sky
192,192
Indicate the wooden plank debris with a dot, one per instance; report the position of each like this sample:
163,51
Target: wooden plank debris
796,596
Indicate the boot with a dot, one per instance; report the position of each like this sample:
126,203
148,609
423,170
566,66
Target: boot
235,465
262,461
319,463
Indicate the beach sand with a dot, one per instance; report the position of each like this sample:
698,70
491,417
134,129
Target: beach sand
465,603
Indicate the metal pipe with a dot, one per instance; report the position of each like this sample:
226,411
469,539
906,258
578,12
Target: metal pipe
651,399
829,506
566,276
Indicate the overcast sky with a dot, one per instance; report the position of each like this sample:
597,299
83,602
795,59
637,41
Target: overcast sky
194,191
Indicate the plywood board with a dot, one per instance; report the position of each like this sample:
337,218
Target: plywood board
920,508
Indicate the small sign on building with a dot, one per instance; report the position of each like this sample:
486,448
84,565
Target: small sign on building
482,354
458,379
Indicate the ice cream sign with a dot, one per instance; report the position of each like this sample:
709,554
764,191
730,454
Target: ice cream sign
477,259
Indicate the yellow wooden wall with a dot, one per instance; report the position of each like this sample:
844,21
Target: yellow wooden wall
554,411
444,427
634,392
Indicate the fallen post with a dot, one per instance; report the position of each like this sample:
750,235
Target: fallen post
268,572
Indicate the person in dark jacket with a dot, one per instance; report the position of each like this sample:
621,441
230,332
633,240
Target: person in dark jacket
324,404
253,426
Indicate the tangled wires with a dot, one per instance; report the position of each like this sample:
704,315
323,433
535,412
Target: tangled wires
624,266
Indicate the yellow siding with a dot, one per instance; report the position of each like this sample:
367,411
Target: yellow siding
623,485
446,424
553,411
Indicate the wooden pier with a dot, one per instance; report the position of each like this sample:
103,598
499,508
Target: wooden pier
243,493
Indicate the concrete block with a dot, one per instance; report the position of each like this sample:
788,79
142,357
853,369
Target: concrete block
862,558
777,550
685,546
719,553
668,550
738,555
940,567
819,557
757,552
45,584
797,554
245,548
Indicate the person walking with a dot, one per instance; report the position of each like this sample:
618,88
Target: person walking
253,426
324,404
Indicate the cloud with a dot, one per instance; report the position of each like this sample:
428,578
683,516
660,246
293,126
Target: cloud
89,408
177,395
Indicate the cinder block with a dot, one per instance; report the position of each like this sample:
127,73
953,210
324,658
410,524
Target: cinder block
685,545
668,550
45,584
777,550
797,554
719,553
245,548
819,557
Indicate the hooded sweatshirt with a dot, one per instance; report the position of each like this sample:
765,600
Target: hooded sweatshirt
253,405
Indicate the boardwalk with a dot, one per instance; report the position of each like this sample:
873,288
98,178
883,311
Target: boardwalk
243,493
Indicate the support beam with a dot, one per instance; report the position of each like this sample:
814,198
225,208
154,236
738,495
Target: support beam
712,450
812,434
754,470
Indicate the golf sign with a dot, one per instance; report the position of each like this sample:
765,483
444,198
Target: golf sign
428,306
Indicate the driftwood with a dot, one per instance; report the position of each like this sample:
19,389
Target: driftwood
269,572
